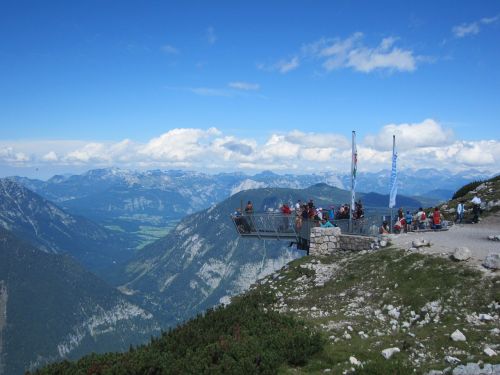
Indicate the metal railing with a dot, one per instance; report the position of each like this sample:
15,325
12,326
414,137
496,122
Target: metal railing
289,227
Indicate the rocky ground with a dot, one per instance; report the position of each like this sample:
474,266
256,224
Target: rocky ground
393,312
473,236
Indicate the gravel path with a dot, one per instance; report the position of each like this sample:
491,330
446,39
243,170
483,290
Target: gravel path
473,236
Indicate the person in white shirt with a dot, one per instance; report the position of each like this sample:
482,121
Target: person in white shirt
460,212
476,208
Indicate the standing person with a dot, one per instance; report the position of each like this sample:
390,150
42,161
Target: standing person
421,218
436,219
331,213
460,212
476,208
249,208
298,205
249,215
409,219
286,211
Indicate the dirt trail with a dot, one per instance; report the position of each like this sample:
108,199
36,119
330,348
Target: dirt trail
472,236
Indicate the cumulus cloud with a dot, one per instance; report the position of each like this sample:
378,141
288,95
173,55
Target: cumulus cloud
9,155
50,157
178,144
424,134
420,145
473,28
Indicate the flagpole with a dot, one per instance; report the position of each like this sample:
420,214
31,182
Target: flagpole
353,171
391,203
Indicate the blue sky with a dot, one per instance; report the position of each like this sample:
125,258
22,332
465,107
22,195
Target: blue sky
247,85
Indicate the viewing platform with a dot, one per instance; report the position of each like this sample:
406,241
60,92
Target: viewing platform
282,227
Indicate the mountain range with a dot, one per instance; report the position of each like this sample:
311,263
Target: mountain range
203,262
50,228
146,205
75,224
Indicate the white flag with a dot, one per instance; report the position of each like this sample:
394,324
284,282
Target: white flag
394,180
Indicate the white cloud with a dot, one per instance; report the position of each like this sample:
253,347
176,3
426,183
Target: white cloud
10,155
339,53
283,66
473,28
246,86
50,157
420,145
167,48
210,35
178,144
466,29
425,134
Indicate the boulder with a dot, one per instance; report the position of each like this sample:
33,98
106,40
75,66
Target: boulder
354,361
388,353
458,336
485,317
492,261
461,253
452,360
420,243
489,352
475,369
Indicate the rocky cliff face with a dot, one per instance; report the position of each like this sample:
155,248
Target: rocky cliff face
51,308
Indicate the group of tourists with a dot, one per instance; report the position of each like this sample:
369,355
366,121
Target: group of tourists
304,212
418,220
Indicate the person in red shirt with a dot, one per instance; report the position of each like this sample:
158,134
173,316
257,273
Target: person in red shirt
436,219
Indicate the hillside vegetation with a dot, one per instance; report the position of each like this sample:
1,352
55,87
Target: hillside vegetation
487,190
316,313
239,339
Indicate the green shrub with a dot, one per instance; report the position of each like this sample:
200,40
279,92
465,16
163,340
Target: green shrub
466,189
238,339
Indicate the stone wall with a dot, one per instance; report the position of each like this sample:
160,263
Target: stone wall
325,241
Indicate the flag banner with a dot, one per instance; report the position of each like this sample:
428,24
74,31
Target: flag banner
394,180
354,168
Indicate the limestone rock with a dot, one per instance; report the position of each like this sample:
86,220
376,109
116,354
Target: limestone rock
492,261
485,317
420,243
489,352
475,369
451,360
458,336
388,353
354,361
461,253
